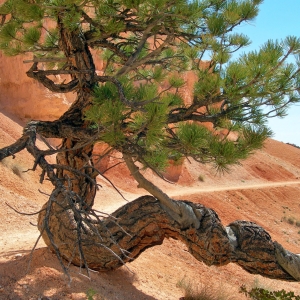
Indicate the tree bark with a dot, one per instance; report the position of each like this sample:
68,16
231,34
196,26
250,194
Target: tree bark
79,58
105,244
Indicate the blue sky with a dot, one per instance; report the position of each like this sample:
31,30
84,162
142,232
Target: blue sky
276,20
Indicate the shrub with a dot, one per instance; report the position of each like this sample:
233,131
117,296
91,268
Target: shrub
17,170
90,294
291,220
263,294
203,292
201,178
14,166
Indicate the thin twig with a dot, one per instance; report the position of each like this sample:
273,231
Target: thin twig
22,213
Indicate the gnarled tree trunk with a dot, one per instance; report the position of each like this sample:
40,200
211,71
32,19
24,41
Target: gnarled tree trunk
107,243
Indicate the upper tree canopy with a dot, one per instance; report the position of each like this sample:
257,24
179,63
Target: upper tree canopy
136,104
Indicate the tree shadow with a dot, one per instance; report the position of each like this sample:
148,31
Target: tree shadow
46,279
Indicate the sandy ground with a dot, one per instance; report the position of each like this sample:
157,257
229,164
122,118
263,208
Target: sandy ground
264,189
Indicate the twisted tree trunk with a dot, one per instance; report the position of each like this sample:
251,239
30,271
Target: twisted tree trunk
108,243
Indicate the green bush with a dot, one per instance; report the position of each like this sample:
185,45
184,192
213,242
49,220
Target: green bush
263,294
90,294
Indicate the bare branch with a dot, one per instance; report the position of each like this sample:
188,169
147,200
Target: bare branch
22,213
40,76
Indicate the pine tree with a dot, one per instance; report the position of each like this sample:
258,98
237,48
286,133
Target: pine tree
137,107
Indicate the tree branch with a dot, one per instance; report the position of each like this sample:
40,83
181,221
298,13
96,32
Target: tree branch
41,77
136,63
178,210
59,129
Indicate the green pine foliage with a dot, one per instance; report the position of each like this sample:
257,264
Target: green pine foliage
150,48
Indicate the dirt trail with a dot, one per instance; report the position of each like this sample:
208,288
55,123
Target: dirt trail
193,190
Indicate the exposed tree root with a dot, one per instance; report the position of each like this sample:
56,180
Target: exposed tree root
103,244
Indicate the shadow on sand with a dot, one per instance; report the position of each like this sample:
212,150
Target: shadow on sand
45,280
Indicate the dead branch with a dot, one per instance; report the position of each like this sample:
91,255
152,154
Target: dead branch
41,77
22,213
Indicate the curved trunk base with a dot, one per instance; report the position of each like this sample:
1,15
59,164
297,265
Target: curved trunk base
103,244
